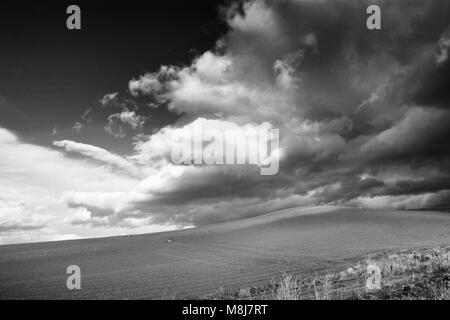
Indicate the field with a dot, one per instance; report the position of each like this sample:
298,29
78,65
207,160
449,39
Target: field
231,255
415,274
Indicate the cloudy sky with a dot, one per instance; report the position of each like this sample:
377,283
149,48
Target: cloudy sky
87,117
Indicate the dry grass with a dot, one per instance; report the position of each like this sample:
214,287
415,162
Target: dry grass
417,274
287,288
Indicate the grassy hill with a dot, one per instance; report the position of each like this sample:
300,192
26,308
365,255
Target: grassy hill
231,255
419,274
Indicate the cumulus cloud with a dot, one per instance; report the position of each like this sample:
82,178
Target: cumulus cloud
168,185
34,179
352,107
15,216
146,84
258,19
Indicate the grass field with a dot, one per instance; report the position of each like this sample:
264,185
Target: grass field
418,274
231,255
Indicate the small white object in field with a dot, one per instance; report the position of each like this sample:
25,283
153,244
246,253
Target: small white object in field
169,241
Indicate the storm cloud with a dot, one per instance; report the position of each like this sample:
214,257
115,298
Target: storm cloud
362,114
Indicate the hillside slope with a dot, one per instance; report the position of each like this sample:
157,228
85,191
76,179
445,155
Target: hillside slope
233,254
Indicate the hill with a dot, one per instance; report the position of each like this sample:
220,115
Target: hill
233,255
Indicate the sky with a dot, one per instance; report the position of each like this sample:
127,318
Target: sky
87,117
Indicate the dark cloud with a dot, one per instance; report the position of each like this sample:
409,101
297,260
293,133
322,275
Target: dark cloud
425,185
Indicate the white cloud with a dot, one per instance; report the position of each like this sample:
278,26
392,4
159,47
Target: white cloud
285,71
444,44
258,19
33,179
77,126
108,98
125,117
149,83
211,67
130,118
99,154
165,182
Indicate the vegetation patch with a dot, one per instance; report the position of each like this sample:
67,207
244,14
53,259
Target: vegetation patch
415,274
